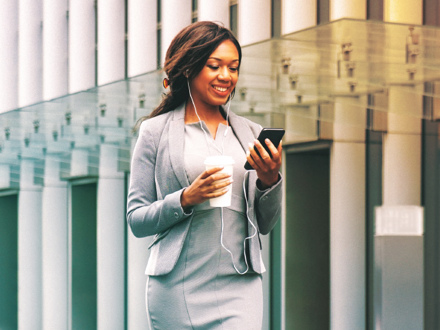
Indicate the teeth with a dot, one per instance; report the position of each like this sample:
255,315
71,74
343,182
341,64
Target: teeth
220,89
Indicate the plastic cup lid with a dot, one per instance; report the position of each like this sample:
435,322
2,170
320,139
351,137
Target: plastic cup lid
219,160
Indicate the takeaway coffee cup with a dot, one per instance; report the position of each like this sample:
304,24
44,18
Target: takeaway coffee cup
227,163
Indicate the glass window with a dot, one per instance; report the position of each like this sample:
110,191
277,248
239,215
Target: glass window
323,14
194,14
233,17
276,18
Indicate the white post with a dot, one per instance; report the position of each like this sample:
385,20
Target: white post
402,143
298,15
254,21
54,48
402,150
176,14
110,241
81,45
55,247
136,279
9,55
347,219
403,11
30,52
142,37
29,250
111,41
348,9
217,11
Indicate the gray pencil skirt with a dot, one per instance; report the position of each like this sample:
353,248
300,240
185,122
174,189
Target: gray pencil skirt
204,291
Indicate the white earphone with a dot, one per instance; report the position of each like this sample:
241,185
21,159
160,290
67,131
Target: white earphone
244,189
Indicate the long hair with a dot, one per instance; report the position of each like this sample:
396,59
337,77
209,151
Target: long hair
186,57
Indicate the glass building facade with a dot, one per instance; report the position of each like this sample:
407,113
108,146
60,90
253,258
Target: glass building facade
359,100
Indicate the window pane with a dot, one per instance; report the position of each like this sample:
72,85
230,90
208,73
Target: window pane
233,19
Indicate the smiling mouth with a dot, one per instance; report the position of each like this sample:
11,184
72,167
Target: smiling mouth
220,89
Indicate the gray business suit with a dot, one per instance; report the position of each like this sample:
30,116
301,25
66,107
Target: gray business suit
158,178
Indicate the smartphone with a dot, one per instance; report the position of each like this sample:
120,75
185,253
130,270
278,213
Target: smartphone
274,135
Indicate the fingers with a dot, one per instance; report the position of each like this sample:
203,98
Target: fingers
264,161
210,171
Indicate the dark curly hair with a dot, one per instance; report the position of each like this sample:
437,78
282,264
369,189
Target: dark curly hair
186,57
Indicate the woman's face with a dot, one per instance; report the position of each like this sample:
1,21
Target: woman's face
218,78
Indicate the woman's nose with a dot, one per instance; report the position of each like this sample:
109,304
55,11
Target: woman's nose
224,74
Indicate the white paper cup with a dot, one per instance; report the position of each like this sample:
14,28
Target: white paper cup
227,163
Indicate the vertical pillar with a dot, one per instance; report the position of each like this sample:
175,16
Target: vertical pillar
402,143
348,8
9,57
29,250
176,14
111,41
403,11
110,241
142,36
254,21
55,247
30,52
219,13
347,219
5,176
298,15
54,48
402,150
82,26
137,258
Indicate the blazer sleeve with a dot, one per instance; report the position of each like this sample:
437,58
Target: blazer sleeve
268,206
146,213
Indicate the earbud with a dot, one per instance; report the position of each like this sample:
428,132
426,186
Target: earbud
186,73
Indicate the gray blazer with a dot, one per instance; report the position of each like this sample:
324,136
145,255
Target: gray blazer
158,178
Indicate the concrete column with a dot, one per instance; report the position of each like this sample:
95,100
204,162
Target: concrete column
142,36
348,9
402,149
30,60
137,258
111,241
176,14
403,11
5,176
347,219
29,250
79,165
82,25
55,247
111,41
217,12
402,143
54,49
9,55
254,21
297,15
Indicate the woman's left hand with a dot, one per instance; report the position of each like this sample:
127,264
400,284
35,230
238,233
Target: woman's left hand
267,167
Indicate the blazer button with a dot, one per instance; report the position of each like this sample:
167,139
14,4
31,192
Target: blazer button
176,214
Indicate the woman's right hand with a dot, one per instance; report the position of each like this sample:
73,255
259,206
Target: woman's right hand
211,183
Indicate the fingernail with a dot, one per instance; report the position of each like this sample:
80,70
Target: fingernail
251,145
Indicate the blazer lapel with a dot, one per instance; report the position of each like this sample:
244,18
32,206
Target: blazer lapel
242,131
176,143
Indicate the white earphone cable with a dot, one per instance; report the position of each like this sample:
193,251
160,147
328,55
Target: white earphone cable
244,188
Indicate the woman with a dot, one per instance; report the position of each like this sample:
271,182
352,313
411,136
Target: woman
205,266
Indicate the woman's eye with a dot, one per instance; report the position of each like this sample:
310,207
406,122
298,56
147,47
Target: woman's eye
213,67
233,69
